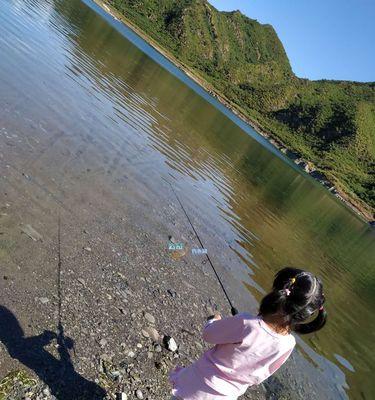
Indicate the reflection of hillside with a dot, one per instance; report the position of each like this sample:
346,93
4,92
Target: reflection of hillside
297,222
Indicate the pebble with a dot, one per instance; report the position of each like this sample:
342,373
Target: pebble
152,333
32,233
81,281
139,394
115,374
150,318
105,357
172,293
44,300
170,343
46,391
103,342
87,249
122,276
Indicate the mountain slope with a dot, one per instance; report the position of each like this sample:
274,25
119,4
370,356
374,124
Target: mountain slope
329,123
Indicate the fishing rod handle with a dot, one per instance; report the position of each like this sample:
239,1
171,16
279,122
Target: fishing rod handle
234,311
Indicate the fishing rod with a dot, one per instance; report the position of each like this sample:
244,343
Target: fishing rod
233,310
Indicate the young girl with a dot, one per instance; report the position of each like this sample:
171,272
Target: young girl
249,349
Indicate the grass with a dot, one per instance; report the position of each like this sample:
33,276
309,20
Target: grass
329,123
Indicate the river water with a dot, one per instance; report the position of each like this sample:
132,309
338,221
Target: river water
67,68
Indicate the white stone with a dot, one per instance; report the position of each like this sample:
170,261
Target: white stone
172,345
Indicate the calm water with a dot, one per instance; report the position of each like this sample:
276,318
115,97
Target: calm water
66,70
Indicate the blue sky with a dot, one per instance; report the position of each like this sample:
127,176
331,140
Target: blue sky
330,39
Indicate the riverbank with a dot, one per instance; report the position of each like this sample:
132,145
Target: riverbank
120,289
121,292
329,182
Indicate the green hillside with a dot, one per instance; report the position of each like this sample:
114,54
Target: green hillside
330,123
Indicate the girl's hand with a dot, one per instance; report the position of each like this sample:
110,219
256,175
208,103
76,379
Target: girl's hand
215,317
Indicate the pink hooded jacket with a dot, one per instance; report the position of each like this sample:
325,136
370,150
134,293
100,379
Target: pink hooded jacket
246,352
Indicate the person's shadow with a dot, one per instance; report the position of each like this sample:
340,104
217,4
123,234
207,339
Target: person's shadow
58,374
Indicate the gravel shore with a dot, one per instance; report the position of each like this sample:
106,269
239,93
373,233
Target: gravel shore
121,292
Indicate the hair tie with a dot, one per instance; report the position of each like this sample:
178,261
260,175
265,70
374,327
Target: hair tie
287,291
321,308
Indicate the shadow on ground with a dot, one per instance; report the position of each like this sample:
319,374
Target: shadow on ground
58,374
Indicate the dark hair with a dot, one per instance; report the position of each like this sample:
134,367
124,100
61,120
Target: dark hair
296,295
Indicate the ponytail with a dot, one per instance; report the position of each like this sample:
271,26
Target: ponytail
313,326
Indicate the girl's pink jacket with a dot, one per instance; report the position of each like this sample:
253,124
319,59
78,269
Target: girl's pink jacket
246,352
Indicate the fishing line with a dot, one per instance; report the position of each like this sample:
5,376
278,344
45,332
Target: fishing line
234,311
